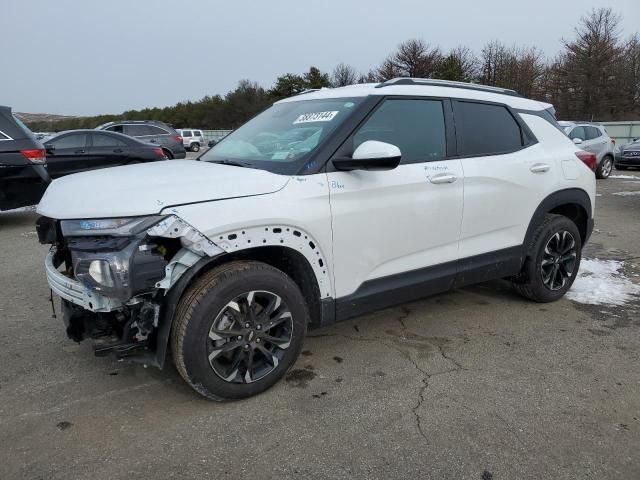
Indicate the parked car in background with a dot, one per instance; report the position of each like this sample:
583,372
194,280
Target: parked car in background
150,131
629,155
593,138
326,206
23,177
79,150
192,138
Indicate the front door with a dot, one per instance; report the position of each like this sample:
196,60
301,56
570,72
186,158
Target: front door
390,226
68,155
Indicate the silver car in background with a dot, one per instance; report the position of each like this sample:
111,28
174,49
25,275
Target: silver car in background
192,138
593,138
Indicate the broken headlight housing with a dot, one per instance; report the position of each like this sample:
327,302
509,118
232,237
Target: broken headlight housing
114,256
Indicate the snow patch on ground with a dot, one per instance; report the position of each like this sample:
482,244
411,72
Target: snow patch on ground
624,176
628,194
602,282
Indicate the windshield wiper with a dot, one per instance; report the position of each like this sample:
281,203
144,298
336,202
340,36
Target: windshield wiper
233,163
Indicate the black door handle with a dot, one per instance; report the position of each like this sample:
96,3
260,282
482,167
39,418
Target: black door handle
117,150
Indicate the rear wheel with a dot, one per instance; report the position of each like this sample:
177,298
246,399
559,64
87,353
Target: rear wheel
552,261
195,147
238,329
168,153
605,167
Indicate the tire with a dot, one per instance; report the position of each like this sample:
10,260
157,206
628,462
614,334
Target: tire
621,167
194,147
168,153
531,283
604,169
204,357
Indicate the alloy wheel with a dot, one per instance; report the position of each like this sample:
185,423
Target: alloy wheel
559,260
607,166
249,337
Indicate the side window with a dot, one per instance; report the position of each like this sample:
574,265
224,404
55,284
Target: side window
153,130
592,133
116,128
107,141
78,140
416,127
137,130
197,133
485,129
578,132
186,133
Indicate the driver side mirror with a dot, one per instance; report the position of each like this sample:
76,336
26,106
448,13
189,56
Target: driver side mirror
370,155
577,141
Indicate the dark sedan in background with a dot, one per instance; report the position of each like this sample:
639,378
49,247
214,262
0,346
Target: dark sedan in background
80,150
23,178
629,156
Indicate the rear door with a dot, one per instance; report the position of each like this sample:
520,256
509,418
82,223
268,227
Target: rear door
68,155
596,142
396,223
106,151
506,176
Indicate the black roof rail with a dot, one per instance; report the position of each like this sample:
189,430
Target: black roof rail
432,82
308,90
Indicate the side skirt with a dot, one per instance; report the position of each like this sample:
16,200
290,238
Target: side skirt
401,288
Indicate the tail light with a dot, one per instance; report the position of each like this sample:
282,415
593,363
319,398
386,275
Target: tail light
159,153
178,138
35,156
613,141
588,158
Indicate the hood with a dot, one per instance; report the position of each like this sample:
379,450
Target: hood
148,188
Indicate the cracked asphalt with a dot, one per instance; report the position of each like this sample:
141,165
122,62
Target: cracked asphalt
474,384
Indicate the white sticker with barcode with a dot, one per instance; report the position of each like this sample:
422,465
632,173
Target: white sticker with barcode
316,117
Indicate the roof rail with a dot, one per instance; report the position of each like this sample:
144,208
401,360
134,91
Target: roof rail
447,83
308,90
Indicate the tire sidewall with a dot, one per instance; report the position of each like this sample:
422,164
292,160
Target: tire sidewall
195,147
535,273
195,354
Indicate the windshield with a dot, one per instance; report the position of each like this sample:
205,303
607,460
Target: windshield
283,136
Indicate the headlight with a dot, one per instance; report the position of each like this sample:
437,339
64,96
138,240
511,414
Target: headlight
117,227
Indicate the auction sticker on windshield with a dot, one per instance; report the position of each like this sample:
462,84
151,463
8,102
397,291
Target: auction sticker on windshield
316,117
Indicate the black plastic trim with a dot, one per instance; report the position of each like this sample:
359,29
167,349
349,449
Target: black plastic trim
442,83
489,266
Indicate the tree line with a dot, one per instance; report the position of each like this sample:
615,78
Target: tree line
595,76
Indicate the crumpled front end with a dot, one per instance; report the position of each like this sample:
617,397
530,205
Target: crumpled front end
113,276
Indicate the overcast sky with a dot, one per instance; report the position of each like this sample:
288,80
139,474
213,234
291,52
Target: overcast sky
84,57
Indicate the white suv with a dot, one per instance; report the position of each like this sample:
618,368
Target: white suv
593,138
192,138
327,205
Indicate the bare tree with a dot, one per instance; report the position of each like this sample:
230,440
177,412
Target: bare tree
343,75
415,58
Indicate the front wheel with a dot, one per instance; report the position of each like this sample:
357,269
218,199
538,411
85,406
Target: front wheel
552,260
238,329
605,167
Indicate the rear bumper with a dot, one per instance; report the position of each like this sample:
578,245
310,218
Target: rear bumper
22,185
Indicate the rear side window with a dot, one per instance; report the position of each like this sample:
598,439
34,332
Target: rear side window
197,133
116,128
153,130
485,129
137,130
416,127
107,141
186,133
592,133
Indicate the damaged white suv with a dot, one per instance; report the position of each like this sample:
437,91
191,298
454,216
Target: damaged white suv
328,205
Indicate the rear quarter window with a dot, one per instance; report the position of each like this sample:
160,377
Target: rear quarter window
486,129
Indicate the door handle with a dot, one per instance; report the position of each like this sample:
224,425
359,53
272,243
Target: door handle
443,178
117,150
79,151
540,168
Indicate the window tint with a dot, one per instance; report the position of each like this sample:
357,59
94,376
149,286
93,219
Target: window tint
592,133
78,140
186,133
578,132
416,127
153,130
197,133
116,128
107,141
485,129
137,130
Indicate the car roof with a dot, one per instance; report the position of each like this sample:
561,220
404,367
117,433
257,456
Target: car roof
99,132
430,88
